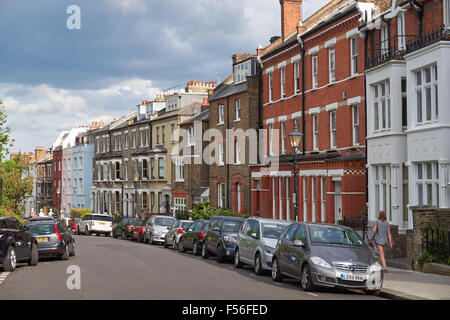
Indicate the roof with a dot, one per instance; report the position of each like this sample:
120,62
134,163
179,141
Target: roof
202,116
199,191
229,90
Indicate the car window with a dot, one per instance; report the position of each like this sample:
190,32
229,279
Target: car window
231,226
3,224
166,222
300,234
185,224
12,224
193,227
214,223
334,235
256,228
244,226
62,227
249,228
290,234
272,230
42,229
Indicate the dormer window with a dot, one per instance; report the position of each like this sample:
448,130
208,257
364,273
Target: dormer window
242,71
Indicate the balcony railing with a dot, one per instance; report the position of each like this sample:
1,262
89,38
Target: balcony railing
390,50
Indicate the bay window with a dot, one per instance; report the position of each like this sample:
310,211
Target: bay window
427,94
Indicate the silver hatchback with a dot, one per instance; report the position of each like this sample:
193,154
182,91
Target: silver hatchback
257,241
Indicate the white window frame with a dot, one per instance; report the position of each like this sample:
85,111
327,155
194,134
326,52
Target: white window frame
427,183
315,132
383,189
446,13
421,89
355,125
221,195
315,71
401,31
270,128
238,109
283,82
270,82
179,169
221,114
191,137
180,204
333,135
296,77
332,64
313,198
382,106
384,44
238,194
305,201
221,154
237,147
354,55
283,136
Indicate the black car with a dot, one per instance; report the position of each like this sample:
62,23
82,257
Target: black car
221,237
53,239
124,228
193,238
16,244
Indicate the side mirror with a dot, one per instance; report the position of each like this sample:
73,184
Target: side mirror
298,243
26,228
254,235
217,229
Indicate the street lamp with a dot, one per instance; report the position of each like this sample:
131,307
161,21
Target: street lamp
295,137
136,181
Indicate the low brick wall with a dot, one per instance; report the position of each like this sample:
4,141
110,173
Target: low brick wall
422,218
399,245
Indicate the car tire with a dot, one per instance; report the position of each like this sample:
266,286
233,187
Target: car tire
276,273
237,259
174,244
205,252
145,239
166,245
150,239
72,253
306,280
195,250
86,232
124,236
141,239
180,246
65,255
114,234
258,265
10,261
107,234
220,254
34,255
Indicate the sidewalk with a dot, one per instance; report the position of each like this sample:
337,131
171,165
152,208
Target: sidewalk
413,285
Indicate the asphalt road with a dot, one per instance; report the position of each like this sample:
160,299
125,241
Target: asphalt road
121,269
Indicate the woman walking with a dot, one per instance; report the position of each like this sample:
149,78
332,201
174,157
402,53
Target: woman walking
382,232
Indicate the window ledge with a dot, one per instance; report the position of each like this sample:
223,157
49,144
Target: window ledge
237,120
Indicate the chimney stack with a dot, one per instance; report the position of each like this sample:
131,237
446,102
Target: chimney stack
291,15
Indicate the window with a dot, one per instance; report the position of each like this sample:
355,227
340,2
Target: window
314,72
152,202
242,71
384,45
144,200
283,82
180,204
221,114
161,168
270,87
355,125
382,106
117,170
221,154
191,136
270,139
105,172
152,167
145,169
160,203
354,55
125,169
238,195
447,13
332,60
221,200
333,129
179,169
80,188
238,109
383,190
163,134
126,141
316,132
172,130
313,198
237,147
404,105
157,135
305,201
80,159
401,30
283,137
296,77
428,183
133,137
427,94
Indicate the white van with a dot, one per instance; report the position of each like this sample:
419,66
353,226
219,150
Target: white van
95,223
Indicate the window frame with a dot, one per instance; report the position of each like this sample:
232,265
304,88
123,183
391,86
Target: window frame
332,66
315,71
333,131
354,56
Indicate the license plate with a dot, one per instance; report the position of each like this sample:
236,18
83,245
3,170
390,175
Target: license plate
42,239
351,277
102,223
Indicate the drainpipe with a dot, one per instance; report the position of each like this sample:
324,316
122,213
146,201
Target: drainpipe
302,46
228,206
365,121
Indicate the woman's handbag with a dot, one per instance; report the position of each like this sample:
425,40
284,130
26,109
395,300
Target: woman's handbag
372,242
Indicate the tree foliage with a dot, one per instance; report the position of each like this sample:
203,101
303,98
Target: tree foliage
204,210
5,134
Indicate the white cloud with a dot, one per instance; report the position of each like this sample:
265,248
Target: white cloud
129,6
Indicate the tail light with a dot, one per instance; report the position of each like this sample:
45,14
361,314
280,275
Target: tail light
2,235
202,234
92,223
57,232
128,227
180,231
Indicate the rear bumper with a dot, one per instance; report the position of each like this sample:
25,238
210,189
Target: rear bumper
51,251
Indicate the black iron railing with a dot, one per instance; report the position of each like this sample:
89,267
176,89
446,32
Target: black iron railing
438,244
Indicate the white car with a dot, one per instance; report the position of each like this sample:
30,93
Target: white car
96,223
157,227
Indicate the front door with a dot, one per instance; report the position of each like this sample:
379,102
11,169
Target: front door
337,201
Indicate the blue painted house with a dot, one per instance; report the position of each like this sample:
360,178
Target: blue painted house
82,170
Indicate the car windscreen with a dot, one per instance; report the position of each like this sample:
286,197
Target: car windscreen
231,226
42,229
166,222
334,235
77,220
272,230
186,224
101,218
137,223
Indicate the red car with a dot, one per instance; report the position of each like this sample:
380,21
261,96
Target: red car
137,234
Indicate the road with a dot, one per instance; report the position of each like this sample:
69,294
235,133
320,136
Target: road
121,269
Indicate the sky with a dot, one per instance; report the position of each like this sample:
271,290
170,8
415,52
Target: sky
53,78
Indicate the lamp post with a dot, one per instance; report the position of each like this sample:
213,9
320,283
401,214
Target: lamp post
136,181
295,137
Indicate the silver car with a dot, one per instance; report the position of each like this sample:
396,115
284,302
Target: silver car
175,232
157,227
257,241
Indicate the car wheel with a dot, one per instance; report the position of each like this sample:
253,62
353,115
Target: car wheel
205,252
65,255
174,244
151,241
145,239
10,261
72,252
34,255
114,234
124,236
276,274
258,265
141,239
306,282
237,259
107,234
181,247
195,251
86,232
220,254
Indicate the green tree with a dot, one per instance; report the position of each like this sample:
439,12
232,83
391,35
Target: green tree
5,132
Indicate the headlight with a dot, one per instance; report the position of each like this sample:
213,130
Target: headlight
230,240
376,267
320,262
269,250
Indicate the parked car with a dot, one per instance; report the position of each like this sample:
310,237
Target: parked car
173,235
45,218
326,255
192,238
96,223
257,241
17,244
157,227
53,239
76,225
137,234
221,237
124,228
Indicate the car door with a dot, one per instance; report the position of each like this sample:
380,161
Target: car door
284,248
242,241
253,241
18,234
297,254
214,233
189,236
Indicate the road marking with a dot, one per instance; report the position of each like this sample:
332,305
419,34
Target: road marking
312,294
3,276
